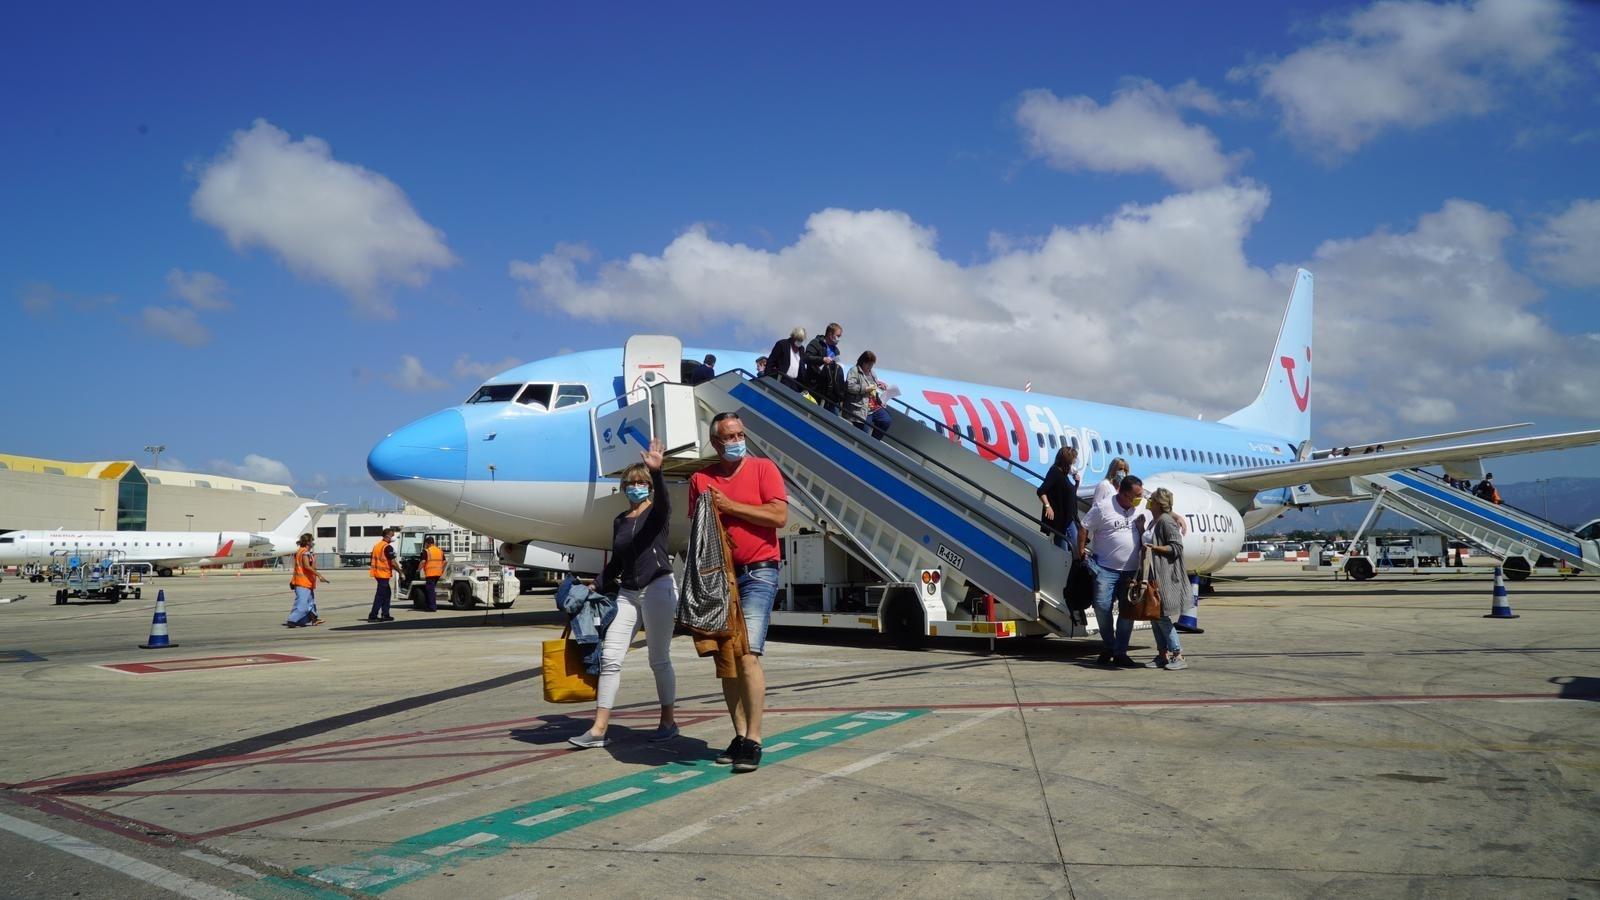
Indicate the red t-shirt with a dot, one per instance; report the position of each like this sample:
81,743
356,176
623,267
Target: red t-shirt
756,482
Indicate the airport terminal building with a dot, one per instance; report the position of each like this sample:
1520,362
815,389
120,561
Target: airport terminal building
120,495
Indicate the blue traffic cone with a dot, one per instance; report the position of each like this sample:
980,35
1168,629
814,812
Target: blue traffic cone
158,626
1502,603
1188,623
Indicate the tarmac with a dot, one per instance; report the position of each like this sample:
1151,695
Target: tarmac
1330,738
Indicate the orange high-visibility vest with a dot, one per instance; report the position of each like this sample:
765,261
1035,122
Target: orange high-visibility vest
302,569
432,562
380,567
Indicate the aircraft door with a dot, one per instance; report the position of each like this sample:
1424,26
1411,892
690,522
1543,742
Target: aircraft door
650,359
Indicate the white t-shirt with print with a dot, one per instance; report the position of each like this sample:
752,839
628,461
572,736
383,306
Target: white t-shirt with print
1116,533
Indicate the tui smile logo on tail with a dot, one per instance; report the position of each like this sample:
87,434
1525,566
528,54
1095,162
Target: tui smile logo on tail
1301,398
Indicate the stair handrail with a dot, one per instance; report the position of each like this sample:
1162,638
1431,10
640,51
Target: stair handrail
794,400
1440,480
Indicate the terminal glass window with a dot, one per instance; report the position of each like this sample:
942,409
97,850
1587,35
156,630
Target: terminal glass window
571,395
327,531
133,502
372,530
536,396
495,393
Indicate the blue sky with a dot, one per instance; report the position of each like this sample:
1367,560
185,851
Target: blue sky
225,230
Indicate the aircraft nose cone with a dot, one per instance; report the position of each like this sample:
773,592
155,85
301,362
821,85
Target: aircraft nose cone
424,462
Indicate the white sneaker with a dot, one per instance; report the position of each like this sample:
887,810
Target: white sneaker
588,740
1176,663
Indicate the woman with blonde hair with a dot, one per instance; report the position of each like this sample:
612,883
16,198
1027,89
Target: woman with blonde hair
1164,542
1114,475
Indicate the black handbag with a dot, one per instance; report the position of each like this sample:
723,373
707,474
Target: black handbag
1079,592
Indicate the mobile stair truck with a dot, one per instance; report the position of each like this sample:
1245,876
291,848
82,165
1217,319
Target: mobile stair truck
1516,536
902,530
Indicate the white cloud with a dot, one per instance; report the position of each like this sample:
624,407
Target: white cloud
1406,63
412,376
177,323
466,367
201,290
40,299
1438,316
1157,306
1568,247
254,468
325,219
1140,130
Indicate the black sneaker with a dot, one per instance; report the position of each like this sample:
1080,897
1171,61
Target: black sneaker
749,758
735,748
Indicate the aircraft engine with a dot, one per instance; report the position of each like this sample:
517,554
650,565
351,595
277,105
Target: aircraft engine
1216,529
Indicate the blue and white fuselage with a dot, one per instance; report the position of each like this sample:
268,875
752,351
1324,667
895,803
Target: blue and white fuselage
517,460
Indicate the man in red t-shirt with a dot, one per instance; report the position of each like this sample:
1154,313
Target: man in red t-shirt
752,503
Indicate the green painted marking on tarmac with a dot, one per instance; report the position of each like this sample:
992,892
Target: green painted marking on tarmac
487,836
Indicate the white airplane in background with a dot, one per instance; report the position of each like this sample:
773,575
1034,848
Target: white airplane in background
162,549
517,460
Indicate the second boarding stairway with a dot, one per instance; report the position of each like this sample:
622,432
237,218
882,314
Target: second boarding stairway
912,501
1504,531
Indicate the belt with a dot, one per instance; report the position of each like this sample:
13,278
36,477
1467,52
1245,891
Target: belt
764,564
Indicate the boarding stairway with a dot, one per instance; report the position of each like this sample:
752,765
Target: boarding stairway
1501,530
915,500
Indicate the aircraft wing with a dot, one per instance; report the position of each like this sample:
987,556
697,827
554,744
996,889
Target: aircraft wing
1412,442
1270,477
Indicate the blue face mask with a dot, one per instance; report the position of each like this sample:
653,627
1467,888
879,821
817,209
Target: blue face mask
733,452
637,493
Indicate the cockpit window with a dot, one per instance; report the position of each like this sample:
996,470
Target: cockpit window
495,393
571,395
536,396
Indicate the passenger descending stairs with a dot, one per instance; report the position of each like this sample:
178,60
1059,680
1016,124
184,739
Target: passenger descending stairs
912,501
1502,530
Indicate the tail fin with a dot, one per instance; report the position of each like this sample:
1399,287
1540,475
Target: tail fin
1284,405
300,521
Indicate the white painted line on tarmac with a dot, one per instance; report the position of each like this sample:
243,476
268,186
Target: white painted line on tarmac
814,782
117,862
681,776
222,862
816,735
547,815
848,725
617,795
782,745
688,831
471,840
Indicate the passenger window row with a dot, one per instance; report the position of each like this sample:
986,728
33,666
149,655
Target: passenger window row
1136,450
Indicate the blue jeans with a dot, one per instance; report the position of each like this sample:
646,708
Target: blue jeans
305,605
1166,636
1068,541
757,589
1110,586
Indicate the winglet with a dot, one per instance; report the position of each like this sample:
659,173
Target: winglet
1283,407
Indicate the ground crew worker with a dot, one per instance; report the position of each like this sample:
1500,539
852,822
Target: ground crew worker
304,582
432,570
382,569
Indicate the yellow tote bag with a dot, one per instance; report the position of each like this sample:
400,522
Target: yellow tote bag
565,681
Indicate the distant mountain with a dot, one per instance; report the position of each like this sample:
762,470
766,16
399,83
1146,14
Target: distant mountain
1570,501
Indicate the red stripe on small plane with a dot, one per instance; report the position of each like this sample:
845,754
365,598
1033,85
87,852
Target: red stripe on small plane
225,549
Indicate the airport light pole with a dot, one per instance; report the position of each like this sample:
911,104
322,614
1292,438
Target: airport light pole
155,451
1543,497
97,517
190,517
263,521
